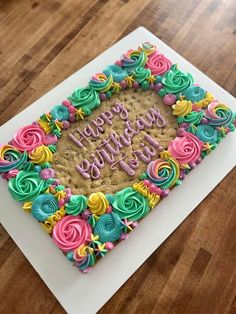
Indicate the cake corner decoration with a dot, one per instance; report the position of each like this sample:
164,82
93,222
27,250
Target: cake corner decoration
125,152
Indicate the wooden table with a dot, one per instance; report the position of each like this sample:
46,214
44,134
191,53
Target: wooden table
43,42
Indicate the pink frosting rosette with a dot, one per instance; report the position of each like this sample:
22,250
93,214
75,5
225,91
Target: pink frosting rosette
186,149
158,63
28,138
70,232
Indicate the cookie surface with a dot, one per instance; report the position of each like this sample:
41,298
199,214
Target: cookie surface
68,154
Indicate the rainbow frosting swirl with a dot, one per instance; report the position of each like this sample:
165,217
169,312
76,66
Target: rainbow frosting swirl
11,158
164,172
101,82
148,48
219,115
84,257
133,59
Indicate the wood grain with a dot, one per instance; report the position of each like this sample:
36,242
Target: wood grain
41,43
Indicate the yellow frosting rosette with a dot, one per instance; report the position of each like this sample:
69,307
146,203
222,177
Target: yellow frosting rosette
98,203
182,108
41,155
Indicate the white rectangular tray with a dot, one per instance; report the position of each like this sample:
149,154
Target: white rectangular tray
73,289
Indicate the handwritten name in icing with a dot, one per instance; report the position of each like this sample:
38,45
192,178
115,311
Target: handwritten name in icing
110,148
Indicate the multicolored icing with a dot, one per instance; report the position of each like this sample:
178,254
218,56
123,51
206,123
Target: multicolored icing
86,227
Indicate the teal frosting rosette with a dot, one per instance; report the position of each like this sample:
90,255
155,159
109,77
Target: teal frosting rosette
76,205
117,72
130,204
108,227
27,185
44,206
86,98
175,81
207,134
194,93
60,113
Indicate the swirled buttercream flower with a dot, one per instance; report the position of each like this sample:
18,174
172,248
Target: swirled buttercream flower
194,93
158,63
117,72
205,101
133,59
193,117
186,149
141,74
41,155
44,206
108,228
84,257
164,172
70,232
207,134
76,204
26,186
11,158
175,81
148,48
85,98
130,204
101,82
182,108
60,113
219,114
28,138
98,203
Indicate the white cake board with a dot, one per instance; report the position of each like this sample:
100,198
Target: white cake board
80,293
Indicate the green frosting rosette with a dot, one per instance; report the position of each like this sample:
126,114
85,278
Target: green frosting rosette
175,81
130,204
26,186
76,205
141,74
85,98
193,117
